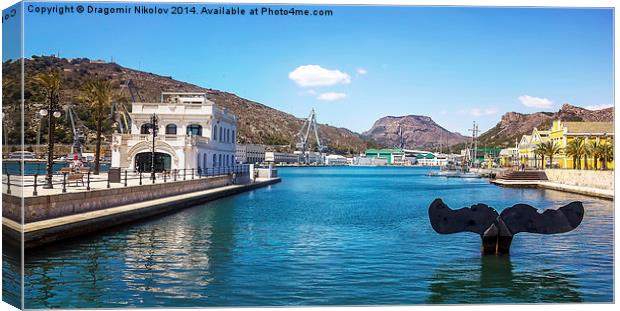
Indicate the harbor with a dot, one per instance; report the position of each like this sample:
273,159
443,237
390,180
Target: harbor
309,240
341,155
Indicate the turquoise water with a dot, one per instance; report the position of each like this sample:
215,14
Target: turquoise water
327,236
40,168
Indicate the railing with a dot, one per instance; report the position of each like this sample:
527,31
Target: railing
64,179
193,139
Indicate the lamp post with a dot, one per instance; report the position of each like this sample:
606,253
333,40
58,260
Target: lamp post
5,140
154,133
52,112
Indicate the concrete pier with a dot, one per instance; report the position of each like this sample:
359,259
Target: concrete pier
544,184
58,217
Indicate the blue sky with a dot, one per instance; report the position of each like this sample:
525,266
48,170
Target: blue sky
456,65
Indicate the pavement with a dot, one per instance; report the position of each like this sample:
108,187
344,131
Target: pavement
97,182
595,192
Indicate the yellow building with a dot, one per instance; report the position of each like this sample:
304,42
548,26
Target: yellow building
563,132
509,157
527,148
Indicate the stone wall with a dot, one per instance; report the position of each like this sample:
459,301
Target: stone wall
583,178
52,206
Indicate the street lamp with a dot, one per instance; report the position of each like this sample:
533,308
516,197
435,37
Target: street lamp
52,107
154,133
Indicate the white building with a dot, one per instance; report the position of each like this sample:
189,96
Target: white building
192,132
431,159
281,157
335,159
311,157
247,154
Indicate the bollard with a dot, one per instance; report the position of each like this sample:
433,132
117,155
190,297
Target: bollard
184,173
8,183
165,173
125,178
34,192
174,175
108,185
192,173
64,182
153,177
140,174
88,180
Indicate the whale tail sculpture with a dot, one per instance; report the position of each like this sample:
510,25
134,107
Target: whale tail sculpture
496,230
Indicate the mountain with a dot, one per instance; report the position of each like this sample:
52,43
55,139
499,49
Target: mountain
417,132
513,124
257,123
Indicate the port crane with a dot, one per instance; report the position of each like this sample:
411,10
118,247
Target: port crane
401,138
304,135
77,127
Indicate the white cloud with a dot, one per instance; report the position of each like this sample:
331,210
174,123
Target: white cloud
598,107
331,96
536,102
315,75
361,71
477,112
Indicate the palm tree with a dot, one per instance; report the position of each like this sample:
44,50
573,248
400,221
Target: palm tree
595,151
607,153
99,95
539,151
587,152
549,149
574,150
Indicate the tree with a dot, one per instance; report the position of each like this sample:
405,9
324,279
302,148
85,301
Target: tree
606,153
586,151
99,95
574,150
549,149
539,151
595,151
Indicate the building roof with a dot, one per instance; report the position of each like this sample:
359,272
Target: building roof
589,127
394,150
425,156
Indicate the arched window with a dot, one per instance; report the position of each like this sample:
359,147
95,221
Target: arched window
204,161
214,134
171,129
214,159
219,162
220,134
145,128
194,130
234,140
227,135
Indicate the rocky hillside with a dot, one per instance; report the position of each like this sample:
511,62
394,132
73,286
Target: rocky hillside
513,125
417,132
257,123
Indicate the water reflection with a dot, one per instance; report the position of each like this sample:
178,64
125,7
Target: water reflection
154,262
493,279
11,274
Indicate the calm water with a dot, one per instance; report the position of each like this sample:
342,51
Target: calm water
31,168
327,236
